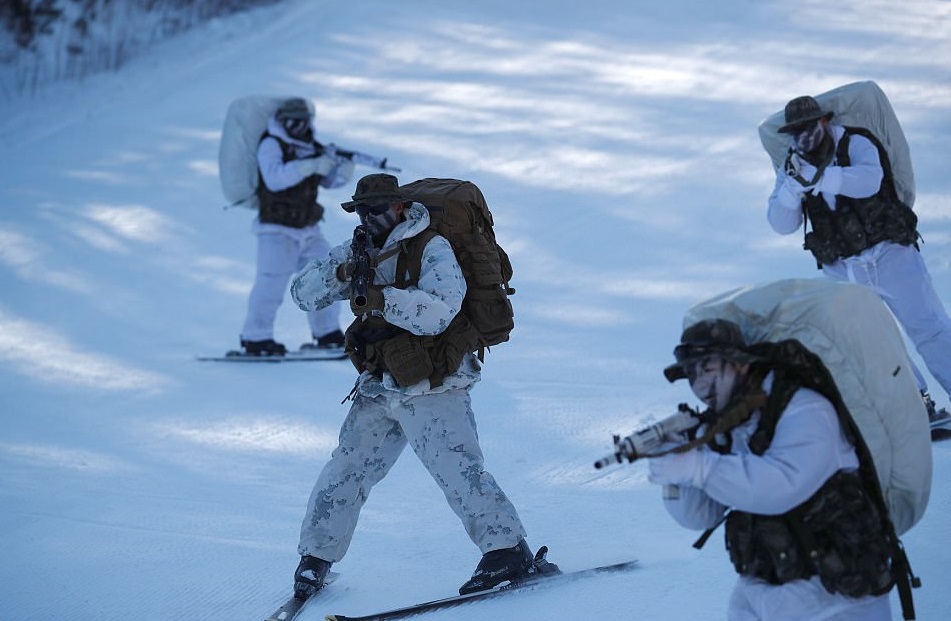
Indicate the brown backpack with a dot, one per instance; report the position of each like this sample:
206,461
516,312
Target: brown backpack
458,212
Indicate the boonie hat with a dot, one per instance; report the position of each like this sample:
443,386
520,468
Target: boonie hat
374,189
802,110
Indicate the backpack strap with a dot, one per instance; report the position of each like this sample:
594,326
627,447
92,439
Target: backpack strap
409,264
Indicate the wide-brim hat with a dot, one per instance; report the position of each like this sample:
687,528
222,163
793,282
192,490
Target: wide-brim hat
373,190
802,110
710,337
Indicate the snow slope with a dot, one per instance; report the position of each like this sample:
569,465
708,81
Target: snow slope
616,143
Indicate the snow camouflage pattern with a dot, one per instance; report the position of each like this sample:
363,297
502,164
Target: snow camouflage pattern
435,301
441,429
437,422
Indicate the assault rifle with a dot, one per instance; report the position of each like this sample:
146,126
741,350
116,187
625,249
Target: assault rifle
362,272
645,441
356,157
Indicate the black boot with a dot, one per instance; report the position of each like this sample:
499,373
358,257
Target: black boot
309,577
500,566
267,347
331,341
936,417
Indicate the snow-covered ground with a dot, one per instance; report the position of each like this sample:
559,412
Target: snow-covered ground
616,143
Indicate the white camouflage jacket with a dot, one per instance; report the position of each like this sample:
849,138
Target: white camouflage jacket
808,447
860,179
425,309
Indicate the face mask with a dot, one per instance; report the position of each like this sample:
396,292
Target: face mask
808,139
378,219
713,380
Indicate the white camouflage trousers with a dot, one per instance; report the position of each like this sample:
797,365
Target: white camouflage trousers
441,429
279,256
899,275
756,600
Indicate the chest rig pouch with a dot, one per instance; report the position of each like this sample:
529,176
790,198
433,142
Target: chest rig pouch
858,223
296,206
836,535
377,346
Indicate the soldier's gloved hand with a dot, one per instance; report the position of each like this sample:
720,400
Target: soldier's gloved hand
831,181
789,193
315,166
375,301
690,468
345,272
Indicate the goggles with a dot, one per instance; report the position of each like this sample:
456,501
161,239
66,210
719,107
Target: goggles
685,352
693,357
372,210
293,125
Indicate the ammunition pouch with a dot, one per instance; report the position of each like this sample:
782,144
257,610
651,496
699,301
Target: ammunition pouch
407,359
837,534
296,206
823,249
294,216
858,223
376,346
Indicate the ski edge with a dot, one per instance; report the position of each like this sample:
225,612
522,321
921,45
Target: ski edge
291,607
458,600
291,357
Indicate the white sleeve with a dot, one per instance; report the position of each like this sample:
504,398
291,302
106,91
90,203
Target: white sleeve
428,308
339,175
275,173
317,286
807,448
784,208
694,509
863,176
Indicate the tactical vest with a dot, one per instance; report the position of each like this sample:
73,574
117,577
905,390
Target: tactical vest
839,534
295,206
377,346
857,223
836,534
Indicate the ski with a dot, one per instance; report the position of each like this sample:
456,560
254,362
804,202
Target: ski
292,607
535,582
941,425
304,355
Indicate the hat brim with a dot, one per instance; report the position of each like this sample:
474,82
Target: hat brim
676,371
372,198
788,127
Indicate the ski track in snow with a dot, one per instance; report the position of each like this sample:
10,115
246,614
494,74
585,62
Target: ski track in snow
616,145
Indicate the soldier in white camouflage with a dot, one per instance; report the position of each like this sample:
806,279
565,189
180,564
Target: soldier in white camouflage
394,404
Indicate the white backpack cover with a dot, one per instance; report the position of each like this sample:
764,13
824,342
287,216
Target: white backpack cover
858,104
245,122
852,331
